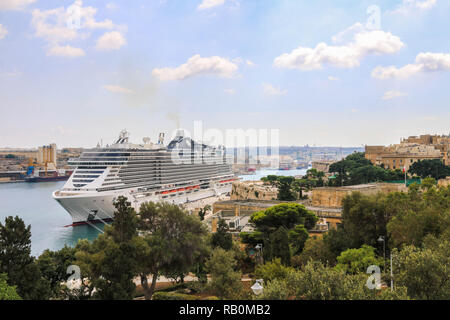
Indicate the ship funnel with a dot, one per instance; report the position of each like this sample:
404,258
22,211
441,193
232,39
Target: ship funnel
146,140
161,138
180,133
123,137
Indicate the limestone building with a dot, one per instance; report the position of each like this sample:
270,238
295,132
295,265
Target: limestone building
410,150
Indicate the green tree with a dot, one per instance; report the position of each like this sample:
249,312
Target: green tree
315,249
7,292
172,242
301,185
424,271
270,179
285,189
356,169
428,183
434,168
286,215
110,261
16,260
225,280
418,213
253,238
272,270
89,256
318,282
290,218
279,246
358,260
117,272
222,238
124,226
297,238
53,267
364,219
203,211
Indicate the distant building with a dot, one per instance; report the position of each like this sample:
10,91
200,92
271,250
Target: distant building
236,214
410,150
253,190
332,197
47,154
444,182
323,165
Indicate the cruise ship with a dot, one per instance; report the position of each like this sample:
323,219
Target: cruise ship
183,171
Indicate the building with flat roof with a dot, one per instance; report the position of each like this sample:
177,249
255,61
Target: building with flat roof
236,214
409,151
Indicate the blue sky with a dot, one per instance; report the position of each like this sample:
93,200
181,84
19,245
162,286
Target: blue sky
148,66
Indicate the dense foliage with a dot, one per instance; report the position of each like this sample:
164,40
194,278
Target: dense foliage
290,188
7,292
163,240
430,168
315,281
225,279
356,169
222,238
17,263
282,229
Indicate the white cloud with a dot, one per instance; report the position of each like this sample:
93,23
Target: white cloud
271,90
408,6
425,62
3,32
364,42
15,4
51,25
59,25
88,15
349,33
331,78
111,41
117,89
208,4
250,63
230,91
65,51
392,94
197,65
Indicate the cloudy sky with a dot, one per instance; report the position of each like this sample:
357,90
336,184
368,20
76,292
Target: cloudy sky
340,73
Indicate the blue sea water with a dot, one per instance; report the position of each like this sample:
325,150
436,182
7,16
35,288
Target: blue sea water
33,203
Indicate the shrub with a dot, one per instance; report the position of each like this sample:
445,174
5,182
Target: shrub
172,296
211,298
196,286
272,270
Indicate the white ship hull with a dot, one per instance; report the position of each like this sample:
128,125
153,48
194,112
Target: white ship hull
97,207
183,171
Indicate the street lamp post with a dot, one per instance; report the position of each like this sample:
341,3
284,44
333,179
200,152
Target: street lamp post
257,288
259,247
392,275
381,239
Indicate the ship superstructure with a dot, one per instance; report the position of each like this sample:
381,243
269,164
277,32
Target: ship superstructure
183,171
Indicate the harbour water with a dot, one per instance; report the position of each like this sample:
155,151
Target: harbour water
33,203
